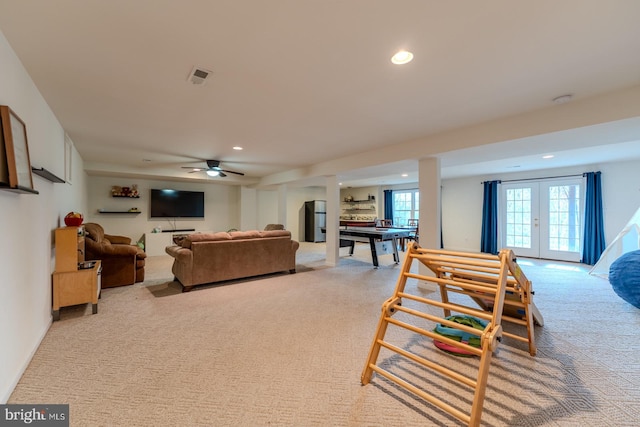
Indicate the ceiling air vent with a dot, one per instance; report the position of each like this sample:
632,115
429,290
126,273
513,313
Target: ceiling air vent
198,76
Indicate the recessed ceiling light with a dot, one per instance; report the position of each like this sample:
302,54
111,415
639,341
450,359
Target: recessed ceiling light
402,57
548,156
404,175
562,99
237,147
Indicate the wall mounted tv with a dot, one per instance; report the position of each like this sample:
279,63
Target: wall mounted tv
177,204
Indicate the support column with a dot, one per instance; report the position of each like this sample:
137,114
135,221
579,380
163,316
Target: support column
333,221
429,222
429,185
282,205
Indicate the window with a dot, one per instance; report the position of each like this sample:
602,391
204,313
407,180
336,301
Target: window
518,220
564,218
406,204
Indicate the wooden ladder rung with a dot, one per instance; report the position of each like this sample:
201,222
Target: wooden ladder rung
450,306
426,396
515,336
470,382
432,335
482,288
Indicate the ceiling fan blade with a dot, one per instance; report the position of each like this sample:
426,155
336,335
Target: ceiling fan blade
212,165
237,173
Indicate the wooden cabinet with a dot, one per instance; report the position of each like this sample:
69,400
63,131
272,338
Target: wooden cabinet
69,243
75,281
76,287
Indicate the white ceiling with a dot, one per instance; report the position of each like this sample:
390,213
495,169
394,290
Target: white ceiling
299,83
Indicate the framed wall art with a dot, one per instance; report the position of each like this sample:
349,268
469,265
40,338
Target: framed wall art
15,167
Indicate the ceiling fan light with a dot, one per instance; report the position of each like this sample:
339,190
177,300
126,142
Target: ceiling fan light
402,57
213,173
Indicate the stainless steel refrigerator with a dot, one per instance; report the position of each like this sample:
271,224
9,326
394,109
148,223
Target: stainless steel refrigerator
315,218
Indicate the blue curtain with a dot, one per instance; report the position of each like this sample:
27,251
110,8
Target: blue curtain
594,243
388,204
489,237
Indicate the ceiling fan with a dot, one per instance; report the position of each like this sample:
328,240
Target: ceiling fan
213,169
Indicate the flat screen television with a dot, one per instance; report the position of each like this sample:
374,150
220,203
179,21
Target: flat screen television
177,204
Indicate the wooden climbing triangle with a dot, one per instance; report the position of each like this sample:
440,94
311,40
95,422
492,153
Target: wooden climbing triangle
494,282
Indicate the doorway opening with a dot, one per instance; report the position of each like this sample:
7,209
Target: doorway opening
543,219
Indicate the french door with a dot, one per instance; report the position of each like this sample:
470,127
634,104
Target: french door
543,219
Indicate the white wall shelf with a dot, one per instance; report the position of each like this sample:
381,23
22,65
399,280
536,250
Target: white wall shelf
100,211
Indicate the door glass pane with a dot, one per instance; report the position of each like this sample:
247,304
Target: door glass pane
406,205
564,218
518,218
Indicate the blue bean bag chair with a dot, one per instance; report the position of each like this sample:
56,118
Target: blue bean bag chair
624,276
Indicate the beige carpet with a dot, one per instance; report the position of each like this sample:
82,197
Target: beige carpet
288,350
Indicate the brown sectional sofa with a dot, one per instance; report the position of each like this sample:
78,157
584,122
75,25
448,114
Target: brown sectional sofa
206,258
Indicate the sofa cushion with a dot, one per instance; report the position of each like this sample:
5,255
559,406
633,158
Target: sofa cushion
239,235
275,233
234,235
204,237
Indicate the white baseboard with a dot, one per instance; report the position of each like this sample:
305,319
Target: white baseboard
5,398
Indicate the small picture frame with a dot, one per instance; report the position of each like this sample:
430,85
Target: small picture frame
15,166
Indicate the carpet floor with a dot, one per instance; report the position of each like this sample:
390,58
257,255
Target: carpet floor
289,349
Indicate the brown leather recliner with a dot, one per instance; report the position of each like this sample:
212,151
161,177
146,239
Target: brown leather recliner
122,262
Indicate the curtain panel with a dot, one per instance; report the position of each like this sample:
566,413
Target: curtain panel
388,204
489,237
594,243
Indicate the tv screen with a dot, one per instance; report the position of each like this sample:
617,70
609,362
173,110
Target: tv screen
177,204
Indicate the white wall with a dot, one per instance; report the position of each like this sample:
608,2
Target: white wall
27,222
621,195
295,208
223,204
363,193
462,201
461,214
221,209
267,208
